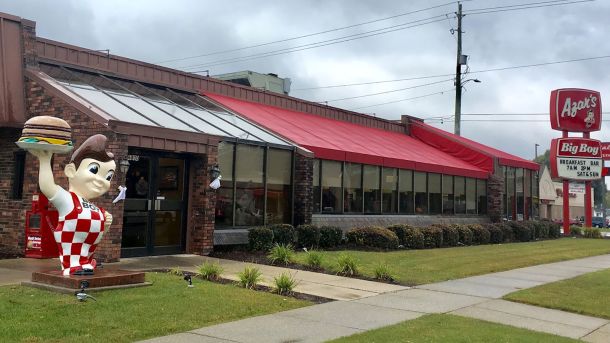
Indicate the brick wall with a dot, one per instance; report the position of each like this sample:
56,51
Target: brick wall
202,203
12,211
39,102
495,197
303,189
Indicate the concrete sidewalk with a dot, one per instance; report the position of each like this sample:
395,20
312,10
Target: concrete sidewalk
475,297
334,287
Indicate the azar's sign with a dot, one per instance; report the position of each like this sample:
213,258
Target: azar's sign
576,158
606,151
576,110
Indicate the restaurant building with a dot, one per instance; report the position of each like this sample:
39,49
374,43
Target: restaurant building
282,159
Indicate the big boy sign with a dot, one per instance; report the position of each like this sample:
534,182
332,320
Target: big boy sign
576,110
576,158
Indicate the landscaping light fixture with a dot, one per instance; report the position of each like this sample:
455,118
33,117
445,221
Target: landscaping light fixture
215,172
124,166
189,279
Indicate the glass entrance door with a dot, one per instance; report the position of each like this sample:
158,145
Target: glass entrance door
155,206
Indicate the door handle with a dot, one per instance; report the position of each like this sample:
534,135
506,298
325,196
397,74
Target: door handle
157,205
149,207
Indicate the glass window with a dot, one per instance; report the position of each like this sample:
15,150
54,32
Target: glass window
405,192
511,208
447,194
250,190
527,194
353,187
372,192
150,111
331,186
109,105
194,120
317,192
279,186
482,196
390,192
224,195
459,194
519,184
434,193
421,196
471,193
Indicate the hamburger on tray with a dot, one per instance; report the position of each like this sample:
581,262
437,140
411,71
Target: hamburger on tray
46,133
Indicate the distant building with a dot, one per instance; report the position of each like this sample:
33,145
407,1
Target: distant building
268,82
551,198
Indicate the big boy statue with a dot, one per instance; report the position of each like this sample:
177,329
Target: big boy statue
81,223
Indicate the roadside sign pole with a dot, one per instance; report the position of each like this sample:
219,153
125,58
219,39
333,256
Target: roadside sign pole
566,207
588,210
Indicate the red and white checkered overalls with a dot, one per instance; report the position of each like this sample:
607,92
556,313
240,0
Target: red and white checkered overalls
78,234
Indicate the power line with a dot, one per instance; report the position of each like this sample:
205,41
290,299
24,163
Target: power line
511,114
339,40
333,41
524,7
386,92
406,99
471,72
308,35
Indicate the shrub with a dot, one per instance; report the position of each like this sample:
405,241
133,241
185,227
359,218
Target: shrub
554,229
249,277
314,259
507,232
480,235
465,234
414,238
260,238
376,237
451,237
281,253
591,232
330,236
401,231
210,271
283,234
522,231
382,272
308,236
576,231
176,271
433,237
496,236
347,265
284,284
541,230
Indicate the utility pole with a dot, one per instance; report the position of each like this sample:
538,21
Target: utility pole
458,72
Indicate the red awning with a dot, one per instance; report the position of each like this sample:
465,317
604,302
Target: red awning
342,141
468,150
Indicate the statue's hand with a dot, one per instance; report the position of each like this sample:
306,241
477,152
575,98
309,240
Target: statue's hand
108,221
43,155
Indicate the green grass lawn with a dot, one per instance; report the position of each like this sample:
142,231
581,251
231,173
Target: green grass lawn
166,307
449,328
415,267
586,294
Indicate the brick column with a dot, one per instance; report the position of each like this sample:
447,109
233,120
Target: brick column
303,189
28,36
495,198
202,204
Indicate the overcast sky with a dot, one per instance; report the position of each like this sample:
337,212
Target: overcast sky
157,31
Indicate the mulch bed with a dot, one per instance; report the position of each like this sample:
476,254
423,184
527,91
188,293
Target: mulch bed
259,257
5,255
301,296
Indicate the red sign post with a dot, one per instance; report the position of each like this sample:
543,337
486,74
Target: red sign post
576,110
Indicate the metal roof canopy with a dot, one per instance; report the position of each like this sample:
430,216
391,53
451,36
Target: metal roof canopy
132,102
